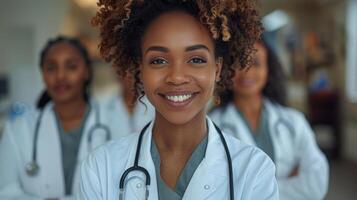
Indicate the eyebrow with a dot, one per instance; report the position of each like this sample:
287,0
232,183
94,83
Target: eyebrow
165,50
197,47
157,48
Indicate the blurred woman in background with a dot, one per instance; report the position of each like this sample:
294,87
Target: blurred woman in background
254,112
41,150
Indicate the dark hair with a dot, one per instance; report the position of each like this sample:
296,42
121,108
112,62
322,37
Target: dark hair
234,26
274,89
45,97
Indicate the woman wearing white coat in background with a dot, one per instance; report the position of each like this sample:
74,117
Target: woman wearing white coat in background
41,149
121,114
254,113
178,56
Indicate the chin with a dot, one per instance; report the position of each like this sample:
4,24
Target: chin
181,118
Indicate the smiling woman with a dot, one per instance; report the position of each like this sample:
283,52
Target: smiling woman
43,148
180,52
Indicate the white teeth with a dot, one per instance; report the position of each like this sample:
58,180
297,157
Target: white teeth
179,98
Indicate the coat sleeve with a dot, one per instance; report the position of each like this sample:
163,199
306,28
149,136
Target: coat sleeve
10,185
313,171
89,187
265,186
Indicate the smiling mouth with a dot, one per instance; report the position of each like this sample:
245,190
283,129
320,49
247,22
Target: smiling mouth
179,98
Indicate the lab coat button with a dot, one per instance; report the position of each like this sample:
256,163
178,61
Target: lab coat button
138,185
207,187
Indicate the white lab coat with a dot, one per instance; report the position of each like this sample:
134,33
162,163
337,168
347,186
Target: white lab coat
120,122
16,149
292,149
253,171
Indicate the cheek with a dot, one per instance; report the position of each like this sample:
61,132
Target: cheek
206,79
78,77
47,79
263,76
150,80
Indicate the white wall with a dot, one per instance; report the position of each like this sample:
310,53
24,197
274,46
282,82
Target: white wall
25,27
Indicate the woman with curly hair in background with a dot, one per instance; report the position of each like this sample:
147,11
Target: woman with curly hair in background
254,111
181,53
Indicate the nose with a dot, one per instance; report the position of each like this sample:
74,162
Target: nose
177,75
61,73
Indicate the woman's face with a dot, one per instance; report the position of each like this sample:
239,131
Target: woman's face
251,82
64,72
178,66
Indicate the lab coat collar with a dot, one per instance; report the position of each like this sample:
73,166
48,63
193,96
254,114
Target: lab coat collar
49,156
213,170
233,124
272,112
209,175
49,152
135,180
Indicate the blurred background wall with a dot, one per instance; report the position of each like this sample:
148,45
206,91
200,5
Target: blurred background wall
316,41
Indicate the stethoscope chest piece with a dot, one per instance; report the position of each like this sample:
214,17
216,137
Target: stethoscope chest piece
32,168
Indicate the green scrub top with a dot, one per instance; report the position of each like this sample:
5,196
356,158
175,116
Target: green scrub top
262,136
70,142
164,191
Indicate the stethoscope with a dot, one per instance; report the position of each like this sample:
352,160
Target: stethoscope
136,166
32,168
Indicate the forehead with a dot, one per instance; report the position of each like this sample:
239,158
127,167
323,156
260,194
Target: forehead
63,49
176,29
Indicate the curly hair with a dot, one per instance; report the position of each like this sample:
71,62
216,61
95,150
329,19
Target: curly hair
234,26
274,89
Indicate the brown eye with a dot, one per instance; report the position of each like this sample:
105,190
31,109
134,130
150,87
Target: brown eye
72,66
158,61
49,67
197,60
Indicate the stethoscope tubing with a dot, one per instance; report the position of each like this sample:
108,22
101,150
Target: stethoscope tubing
32,167
136,166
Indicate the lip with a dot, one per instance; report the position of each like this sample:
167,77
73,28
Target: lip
61,88
247,82
178,104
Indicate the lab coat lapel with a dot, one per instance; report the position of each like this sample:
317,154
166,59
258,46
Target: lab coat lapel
230,119
49,154
282,143
85,147
135,182
212,173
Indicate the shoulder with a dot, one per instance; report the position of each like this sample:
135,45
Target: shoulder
21,117
286,112
21,111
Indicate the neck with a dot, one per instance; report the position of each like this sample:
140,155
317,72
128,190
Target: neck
177,138
70,110
249,104
251,107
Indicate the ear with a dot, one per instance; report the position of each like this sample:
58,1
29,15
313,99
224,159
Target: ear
219,64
